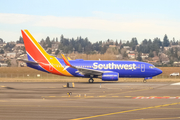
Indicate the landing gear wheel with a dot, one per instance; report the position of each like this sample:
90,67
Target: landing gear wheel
144,81
91,80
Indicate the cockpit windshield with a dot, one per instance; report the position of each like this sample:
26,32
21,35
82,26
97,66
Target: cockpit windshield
152,66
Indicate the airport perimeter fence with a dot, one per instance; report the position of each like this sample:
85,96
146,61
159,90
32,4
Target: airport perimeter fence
52,76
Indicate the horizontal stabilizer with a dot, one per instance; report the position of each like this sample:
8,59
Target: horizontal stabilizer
27,61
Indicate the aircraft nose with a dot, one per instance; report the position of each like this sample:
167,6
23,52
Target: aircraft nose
158,71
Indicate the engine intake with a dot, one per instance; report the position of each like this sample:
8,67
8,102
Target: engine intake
112,76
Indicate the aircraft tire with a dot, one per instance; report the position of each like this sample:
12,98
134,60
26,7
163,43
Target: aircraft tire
91,80
144,81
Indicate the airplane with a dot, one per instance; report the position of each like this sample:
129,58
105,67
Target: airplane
106,70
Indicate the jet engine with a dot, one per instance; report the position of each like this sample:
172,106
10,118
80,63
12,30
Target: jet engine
111,76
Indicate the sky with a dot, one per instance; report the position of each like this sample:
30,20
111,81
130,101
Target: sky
95,19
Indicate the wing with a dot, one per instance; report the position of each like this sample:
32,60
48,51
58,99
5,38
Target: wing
84,71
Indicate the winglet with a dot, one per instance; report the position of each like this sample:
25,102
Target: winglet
68,58
66,61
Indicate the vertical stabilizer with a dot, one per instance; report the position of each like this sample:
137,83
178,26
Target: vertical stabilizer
36,53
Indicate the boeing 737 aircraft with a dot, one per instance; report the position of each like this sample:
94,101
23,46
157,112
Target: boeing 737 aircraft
105,70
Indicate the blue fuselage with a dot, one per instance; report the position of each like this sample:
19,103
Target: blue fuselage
133,69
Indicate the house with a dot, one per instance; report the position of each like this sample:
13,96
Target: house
129,51
19,45
165,61
152,62
112,46
144,55
131,56
156,58
11,55
163,57
175,46
55,46
126,47
167,48
3,64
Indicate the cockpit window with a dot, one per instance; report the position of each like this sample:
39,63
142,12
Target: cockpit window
152,66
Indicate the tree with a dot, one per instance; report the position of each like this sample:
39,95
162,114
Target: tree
176,53
116,43
79,48
151,54
165,41
9,63
1,40
125,54
139,57
48,42
57,52
20,40
56,39
49,51
1,51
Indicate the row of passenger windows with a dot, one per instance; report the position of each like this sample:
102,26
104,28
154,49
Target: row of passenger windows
78,66
85,66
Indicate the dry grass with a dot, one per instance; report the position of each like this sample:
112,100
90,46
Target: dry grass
26,74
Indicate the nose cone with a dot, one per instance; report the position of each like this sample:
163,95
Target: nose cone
158,71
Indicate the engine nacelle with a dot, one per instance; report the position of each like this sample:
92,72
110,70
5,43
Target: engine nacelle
111,76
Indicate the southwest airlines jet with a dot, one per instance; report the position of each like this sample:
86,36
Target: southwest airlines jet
105,70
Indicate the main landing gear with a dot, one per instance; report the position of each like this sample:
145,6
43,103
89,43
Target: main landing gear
145,80
91,80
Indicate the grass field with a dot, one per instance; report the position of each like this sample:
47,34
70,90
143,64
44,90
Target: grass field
26,74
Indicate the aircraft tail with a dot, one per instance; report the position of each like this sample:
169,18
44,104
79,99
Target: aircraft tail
34,50
36,54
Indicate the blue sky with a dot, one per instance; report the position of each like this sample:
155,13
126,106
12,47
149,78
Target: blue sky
95,19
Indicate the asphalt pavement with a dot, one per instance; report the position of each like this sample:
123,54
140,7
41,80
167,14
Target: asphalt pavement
90,101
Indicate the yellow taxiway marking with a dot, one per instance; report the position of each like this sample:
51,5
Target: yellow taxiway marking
89,96
159,118
64,96
3,86
101,96
114,96
2,100
95,116
52,96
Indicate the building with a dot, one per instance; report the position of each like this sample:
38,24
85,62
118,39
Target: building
165,61
112,46
144,56
54,46
156,58
167,48
126,47
130,51
3,64
19,45
131,56
11,55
